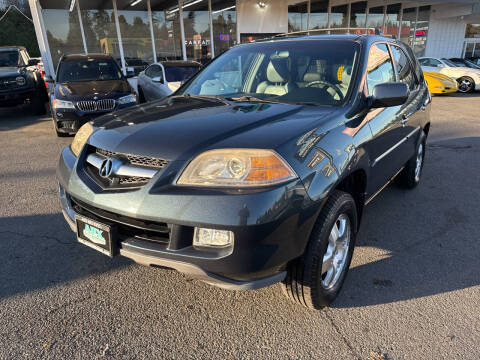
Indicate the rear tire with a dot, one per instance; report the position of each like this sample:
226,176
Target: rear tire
141,96
37,105
411,174
466,84
315,279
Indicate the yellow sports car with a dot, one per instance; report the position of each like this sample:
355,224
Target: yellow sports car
439,83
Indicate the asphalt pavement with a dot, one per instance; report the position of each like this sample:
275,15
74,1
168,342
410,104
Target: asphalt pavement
413,291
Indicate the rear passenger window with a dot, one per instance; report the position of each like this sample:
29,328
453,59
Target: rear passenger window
404,70
379,68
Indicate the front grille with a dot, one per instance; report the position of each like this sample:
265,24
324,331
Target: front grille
8,83
99,105
137,160
127,227
151,163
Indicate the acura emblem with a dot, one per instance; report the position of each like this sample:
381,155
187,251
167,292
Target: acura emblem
106,169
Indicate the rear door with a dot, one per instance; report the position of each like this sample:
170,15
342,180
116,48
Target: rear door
387,149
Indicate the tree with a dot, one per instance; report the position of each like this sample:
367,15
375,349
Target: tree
16,30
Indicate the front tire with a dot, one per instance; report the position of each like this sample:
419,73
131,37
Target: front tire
466,84
315,279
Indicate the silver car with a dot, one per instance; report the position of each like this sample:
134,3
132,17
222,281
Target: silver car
163,78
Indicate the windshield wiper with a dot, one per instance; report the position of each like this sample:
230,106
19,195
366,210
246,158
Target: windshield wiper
209,97
248,98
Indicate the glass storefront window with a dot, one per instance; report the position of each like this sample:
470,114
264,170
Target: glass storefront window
166,30
298,16
196,22
224,20
472,31
421,30
375,18
339,16
358,16
135,30
99,27
392,19
318,14
63,30
407,31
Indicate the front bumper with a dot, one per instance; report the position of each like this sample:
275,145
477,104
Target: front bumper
15,96
70,120
271,227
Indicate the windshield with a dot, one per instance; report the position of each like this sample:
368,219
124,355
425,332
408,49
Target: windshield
88,70
180,73
300,72
8,58
472,64
449,63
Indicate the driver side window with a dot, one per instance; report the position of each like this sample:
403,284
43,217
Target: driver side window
379,67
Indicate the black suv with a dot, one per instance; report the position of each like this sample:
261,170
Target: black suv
20,80
258,169
87,86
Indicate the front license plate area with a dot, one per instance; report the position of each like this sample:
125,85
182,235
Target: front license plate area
96,235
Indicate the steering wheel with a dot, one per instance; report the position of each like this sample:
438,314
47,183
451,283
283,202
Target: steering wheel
327,84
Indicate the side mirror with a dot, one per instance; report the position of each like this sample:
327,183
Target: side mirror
389,94
33,62
130,72
157,79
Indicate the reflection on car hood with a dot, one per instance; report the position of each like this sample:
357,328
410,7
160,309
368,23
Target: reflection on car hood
178,128
89,89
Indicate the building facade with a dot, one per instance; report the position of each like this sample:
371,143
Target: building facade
146,31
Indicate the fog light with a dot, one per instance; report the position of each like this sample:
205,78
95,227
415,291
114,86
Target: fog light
212,237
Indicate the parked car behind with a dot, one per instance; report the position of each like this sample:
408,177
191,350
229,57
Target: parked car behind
258,169
440,84
475,60
163,78
20,80
85,87
135,64
468,79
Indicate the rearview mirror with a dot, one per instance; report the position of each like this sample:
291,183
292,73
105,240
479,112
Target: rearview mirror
157,79
33,62
389,94
130,72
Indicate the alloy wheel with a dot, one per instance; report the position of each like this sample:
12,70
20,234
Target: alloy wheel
333,264
419,162
465,85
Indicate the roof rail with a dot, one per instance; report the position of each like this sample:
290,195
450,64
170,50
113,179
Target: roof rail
373,31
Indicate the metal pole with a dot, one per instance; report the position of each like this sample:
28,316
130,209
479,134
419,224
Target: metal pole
366,18
77,5
212,45
237,27
182,29
42,38
384,18
400,21
150,18
309,7
329,17
412,45
349,13
119,37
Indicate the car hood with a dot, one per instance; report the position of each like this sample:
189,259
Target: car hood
178,128
7,71
91,89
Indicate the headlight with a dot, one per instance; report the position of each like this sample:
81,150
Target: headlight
132,98
62,104
237,167
81,138
20,80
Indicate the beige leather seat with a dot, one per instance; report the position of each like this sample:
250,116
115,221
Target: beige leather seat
278,78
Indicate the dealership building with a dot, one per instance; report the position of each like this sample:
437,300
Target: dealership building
146,31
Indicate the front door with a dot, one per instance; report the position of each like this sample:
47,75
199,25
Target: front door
387,148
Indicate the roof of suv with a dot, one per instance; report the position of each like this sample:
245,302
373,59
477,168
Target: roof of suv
76,57
364,38
10,48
